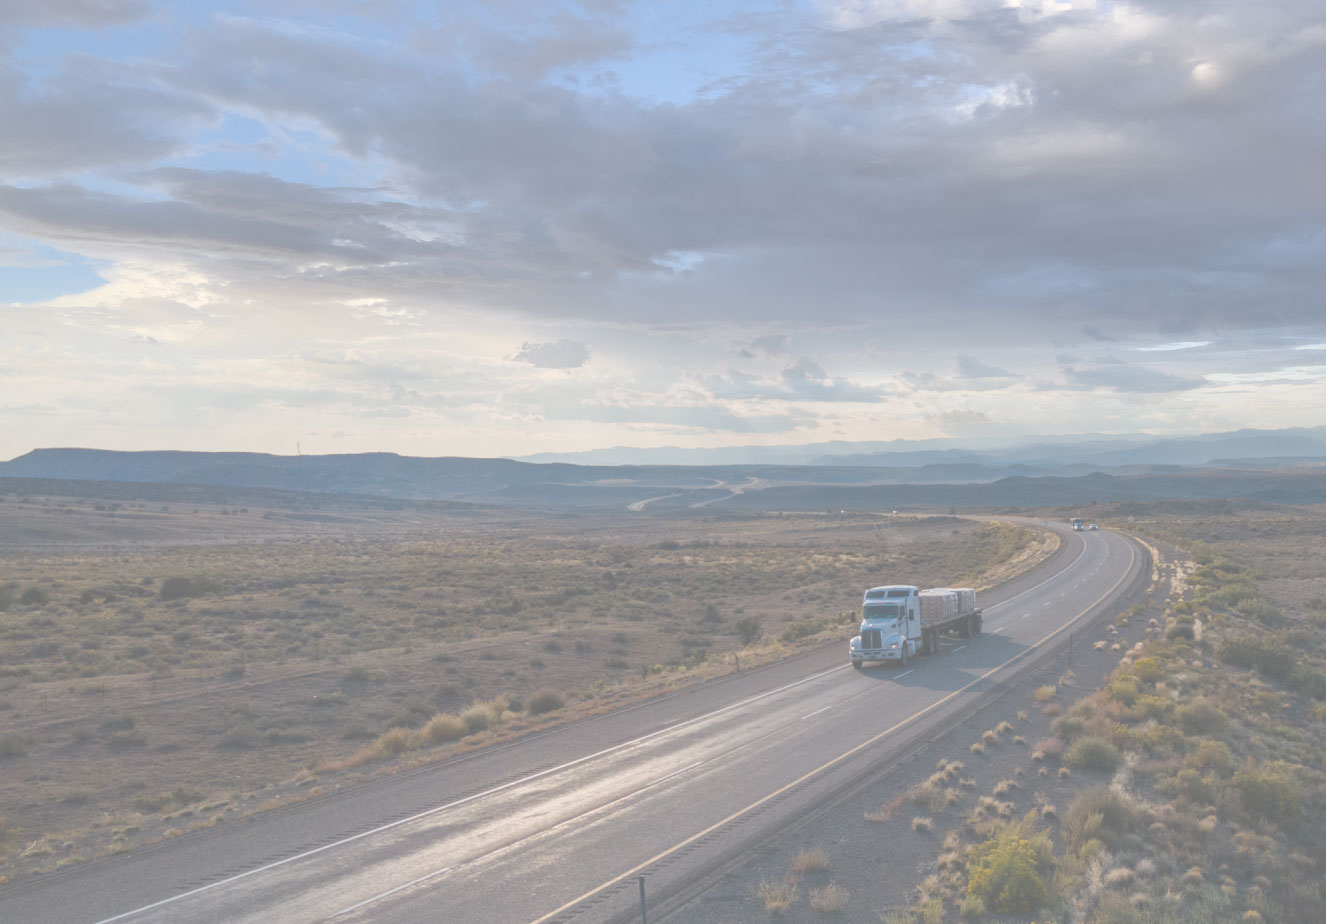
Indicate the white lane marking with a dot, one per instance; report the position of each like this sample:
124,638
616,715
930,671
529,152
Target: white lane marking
1053,577
664,779
480,795
904,674
996,628
763,800
818,711
1024,615
959,648
438,872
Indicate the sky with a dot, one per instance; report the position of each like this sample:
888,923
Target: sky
502,228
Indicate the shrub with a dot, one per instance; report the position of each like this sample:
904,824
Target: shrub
921,824
1045,693
8,594
543,702
1068,727
748,629
1269,794
445,727
1309,681
476,719
1269,656
1004,876
182,587
393,743
15,745
1210,755
1092,753
1200,718
1098,811
34,596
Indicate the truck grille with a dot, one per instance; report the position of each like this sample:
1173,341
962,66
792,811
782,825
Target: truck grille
870,639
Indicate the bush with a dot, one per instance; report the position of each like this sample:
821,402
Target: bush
1201,718
1211,755
393,743
1100,812
1309,681
1269,656
1092,753
1148,670
1068,727
543,702
34,596
476,718
443,728
13,745
8,596
1269,794
181,587
748,629
1003,874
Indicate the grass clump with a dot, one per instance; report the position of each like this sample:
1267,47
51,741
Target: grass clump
543,702
445,727
1045,693
811,860
777,895
1092,753
831,899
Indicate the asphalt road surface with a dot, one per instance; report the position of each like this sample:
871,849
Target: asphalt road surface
558,826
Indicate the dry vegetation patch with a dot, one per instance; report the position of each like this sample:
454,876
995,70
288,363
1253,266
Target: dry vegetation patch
254,655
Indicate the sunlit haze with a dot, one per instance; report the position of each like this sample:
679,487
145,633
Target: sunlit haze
507,228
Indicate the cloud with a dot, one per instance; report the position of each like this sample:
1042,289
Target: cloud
1096,334
969,367
767,345
79,14
1171,347
1122,377
560,354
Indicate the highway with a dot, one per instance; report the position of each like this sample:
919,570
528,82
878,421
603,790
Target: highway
556,826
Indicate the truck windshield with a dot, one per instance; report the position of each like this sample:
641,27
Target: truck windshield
882,611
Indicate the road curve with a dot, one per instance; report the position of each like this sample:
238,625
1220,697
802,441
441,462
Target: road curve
556,827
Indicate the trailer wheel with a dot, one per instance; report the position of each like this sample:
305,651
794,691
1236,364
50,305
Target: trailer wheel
964,627
976,624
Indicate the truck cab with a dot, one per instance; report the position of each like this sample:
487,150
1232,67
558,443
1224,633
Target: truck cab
890,624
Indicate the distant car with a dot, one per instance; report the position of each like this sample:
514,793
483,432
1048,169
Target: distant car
1093,526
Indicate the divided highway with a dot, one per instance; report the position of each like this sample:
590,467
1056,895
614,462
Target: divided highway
557,826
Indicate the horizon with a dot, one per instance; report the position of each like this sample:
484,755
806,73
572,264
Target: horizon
502,231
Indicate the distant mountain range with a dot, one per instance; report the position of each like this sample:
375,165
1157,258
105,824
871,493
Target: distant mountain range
1287,466
1088,451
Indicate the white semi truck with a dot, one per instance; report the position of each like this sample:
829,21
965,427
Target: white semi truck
899,621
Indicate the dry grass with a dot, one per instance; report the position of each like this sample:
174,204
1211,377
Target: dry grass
375,634
811,860
1045,693
830,899
777,895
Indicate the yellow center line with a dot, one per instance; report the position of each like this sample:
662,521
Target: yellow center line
841,757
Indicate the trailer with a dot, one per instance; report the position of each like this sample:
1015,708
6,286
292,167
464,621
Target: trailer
899,621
